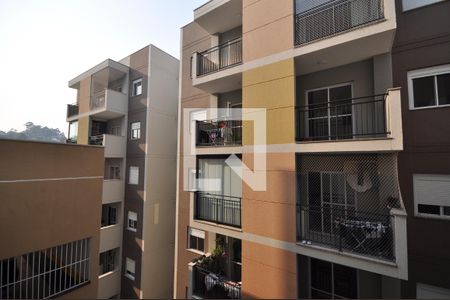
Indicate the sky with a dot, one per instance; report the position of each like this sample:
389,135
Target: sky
46,43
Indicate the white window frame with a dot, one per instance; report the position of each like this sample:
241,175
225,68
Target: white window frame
417,201
134,169
132,218
200,234
130,268
328,117
413,4
138,130
427,72
133,84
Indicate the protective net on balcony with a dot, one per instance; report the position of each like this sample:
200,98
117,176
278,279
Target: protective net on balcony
344,202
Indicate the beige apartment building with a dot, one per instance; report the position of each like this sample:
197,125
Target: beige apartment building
331,221
49,220
129,107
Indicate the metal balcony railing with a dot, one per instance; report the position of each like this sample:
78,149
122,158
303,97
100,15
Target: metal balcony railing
72,110
219,133
363,233
334,17
354,118
208,285
220,209
219,57
96,140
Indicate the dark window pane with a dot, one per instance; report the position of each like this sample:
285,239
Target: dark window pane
447,210
345,281
444,89
321,275
201,244
192,242
429,209
424,93
317,103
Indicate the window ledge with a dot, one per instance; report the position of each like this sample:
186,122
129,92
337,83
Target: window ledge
108,273
195,251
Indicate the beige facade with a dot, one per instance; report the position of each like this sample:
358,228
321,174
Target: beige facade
277,64
130,108
51,196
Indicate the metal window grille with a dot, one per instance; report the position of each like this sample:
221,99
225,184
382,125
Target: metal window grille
45,273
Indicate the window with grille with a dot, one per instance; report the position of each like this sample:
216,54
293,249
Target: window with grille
45,273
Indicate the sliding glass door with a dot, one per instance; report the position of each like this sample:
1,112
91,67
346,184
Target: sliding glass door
330,112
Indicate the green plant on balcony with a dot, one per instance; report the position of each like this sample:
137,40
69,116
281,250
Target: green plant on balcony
215,262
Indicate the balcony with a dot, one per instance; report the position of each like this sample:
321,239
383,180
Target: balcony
335,17
346,30
209,285
220,57
351,204
217,133
219,15
109,104
371,123
115,146
363,233
218,69
109,285
355,118
113,191
219,209
110,237
72,110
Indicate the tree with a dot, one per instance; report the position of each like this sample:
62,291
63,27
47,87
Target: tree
35,133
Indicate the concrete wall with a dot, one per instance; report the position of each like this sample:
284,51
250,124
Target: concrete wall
268,35
51,195
160,176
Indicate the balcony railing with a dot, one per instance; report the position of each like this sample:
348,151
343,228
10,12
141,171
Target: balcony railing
347,230
208,285
72,110
334,17
220,209
96,140
219,57
355,118
219,133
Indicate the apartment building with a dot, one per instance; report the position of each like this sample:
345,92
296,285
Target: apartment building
49,220
129,107
421,66
332,220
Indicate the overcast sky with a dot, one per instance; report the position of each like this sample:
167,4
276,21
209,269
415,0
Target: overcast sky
45,43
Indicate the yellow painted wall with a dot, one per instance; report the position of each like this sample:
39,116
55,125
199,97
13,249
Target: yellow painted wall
271,87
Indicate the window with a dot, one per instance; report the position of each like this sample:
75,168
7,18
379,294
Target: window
330,112
429,87
331,281
114,172
45,273
135,130
109,215
196,239
411,4
330,193
73,131
130,268
132,221
137,87
134,176
108,261
431,195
